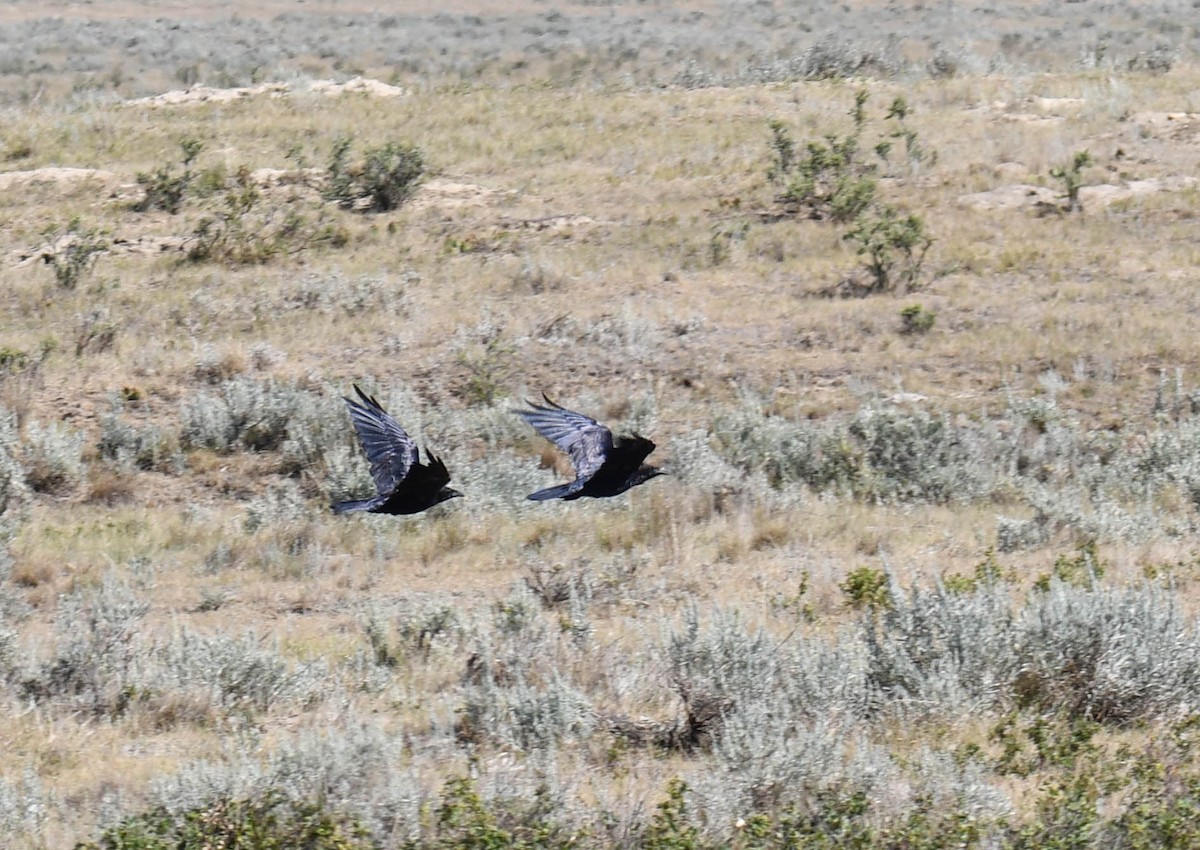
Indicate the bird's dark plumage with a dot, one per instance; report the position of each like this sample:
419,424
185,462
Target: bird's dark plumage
405,485
603,466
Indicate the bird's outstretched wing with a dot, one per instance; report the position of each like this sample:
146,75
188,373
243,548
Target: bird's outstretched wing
432,476
586,442
388,447
635,448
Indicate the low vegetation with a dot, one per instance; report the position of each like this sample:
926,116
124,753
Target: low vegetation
922,572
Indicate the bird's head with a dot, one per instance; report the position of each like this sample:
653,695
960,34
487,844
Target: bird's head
447,493
645,472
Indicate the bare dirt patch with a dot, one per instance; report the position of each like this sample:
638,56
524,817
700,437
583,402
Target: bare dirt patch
53,176
207,94
1024,196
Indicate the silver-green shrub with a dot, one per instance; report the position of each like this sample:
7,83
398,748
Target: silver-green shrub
12,476
1109,654
93,662
52,457
936,651
234,674
131,447
24,806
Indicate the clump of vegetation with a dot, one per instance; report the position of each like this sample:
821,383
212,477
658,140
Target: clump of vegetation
916,320
825,180
248,231
165,188
867,587
95,332
1081,569
1071,176
387,176
487,362
73,252
836,180
893,246
130,447
52,458
670,828
12,476
269,822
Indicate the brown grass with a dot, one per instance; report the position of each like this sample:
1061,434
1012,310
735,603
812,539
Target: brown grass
1100,299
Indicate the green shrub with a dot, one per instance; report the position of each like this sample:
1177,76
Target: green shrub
164,189
386,178
823,179
488,363
866,587
249,232
670,829
836,180
74,252
1071,176
466,822
1079,570
893,245
270,822
915,320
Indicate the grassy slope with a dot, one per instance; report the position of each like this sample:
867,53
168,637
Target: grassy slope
1102,300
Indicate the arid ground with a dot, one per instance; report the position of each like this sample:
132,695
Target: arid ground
923,572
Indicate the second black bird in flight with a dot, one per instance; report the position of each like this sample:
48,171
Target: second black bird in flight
603,467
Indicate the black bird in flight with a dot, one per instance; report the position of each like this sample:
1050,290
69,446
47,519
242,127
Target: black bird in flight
405,485
603,467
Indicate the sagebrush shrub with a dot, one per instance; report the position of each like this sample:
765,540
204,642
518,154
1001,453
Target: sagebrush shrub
12,475
1106,654
131,447
52,458
95,650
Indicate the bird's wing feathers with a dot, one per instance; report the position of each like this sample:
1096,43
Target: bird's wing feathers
586,441
434,473
388,447
635,447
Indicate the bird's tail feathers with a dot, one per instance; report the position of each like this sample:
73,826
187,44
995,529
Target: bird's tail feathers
551,493
353,505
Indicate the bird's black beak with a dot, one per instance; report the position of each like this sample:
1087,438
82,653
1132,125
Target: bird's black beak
451,493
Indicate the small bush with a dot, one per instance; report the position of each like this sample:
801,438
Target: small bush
12,475
164,189
487,362
893,245
95,332
824,180
93,662
263,416
52,458
130,447
249,232
74,252
916,320
835,180
866,587
270,822
386,178
1071,176
670,828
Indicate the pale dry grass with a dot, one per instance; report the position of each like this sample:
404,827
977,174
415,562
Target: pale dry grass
623,300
